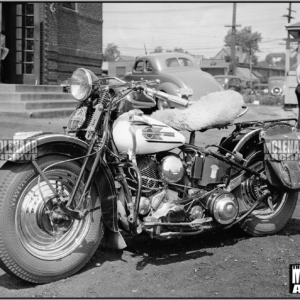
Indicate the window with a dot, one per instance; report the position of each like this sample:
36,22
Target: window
175,62
184,62
70,5
148,66
139,66
220,80
172,62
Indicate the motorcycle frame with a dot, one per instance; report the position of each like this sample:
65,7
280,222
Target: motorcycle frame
101,174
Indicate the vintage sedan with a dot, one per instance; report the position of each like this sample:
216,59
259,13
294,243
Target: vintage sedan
230,82
178,73
277,85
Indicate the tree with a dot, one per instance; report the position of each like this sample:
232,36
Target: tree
246,39
158,49
177,49
111,52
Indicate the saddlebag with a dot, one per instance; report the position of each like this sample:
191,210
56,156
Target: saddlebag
281,156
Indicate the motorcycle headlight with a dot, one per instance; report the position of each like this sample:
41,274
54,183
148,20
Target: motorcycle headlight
81,83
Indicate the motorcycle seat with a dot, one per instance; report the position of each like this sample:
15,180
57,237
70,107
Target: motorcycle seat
213,110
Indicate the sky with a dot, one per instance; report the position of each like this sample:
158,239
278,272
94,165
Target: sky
198,27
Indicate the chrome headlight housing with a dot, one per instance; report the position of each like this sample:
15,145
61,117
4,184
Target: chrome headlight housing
77,118
81,83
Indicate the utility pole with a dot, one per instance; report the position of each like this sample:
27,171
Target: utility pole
287,47
250,52
233,33
0,40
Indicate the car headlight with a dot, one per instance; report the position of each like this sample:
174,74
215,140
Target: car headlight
81,83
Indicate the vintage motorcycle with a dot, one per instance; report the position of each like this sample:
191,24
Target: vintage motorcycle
116,169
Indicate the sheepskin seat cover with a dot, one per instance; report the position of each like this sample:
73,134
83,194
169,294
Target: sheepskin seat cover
213,109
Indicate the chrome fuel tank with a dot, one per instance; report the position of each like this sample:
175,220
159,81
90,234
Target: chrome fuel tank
149,139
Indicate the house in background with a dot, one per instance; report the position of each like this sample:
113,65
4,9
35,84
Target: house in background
48,41
225,54
120,66
219,65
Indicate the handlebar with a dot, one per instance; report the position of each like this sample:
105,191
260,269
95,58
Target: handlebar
151,93
168,97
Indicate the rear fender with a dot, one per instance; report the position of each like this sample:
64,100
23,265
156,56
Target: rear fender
46,144
169,88
242,141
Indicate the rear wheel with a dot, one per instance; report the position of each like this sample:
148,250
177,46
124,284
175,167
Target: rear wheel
38,243
269,218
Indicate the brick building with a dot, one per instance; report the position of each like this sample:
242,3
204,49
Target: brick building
48,41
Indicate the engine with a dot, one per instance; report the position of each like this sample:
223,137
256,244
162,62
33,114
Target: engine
197,202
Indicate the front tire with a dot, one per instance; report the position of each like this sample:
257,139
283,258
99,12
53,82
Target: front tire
263,221
30,249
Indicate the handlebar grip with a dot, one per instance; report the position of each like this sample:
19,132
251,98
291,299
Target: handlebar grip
172,98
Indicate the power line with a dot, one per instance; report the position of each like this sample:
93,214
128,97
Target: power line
164,11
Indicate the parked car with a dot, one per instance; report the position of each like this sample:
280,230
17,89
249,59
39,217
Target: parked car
230,82
276,85
260,89
179,75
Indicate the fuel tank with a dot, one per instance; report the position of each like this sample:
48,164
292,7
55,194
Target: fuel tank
150,138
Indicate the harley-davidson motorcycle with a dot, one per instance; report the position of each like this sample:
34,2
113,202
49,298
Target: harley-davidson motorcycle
116,169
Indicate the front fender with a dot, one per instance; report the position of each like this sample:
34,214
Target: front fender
50,143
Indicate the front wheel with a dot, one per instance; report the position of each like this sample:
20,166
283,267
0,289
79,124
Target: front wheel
270,218
38,243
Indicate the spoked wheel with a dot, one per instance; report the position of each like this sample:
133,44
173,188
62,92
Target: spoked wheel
38,242
271,215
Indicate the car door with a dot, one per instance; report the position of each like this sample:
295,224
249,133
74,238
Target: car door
138,70
141,70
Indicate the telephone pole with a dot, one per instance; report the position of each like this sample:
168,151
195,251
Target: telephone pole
289,16
287,47
233,33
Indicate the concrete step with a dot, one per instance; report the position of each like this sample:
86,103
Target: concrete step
35,101
34,96
39,113
31,105
10,88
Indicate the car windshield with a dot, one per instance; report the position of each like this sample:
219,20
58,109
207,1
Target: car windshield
111,81
220,80
178,62
277,81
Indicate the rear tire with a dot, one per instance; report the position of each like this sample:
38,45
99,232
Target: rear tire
28,248
263,221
